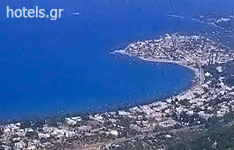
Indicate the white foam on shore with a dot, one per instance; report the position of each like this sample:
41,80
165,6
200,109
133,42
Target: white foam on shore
118,52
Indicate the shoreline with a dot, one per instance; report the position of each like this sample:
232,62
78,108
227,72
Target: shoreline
116,108
198,75
198,72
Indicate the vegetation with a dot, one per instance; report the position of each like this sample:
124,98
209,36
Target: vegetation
219,136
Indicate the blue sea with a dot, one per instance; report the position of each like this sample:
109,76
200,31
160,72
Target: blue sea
48,67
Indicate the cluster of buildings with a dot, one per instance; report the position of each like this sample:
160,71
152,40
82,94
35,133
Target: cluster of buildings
210,96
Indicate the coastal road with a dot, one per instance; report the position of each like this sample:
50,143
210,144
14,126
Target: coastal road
107,145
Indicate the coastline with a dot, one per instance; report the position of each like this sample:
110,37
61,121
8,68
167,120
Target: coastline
193,107
198,79
198,72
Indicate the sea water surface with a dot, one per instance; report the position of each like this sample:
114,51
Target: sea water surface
52,66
